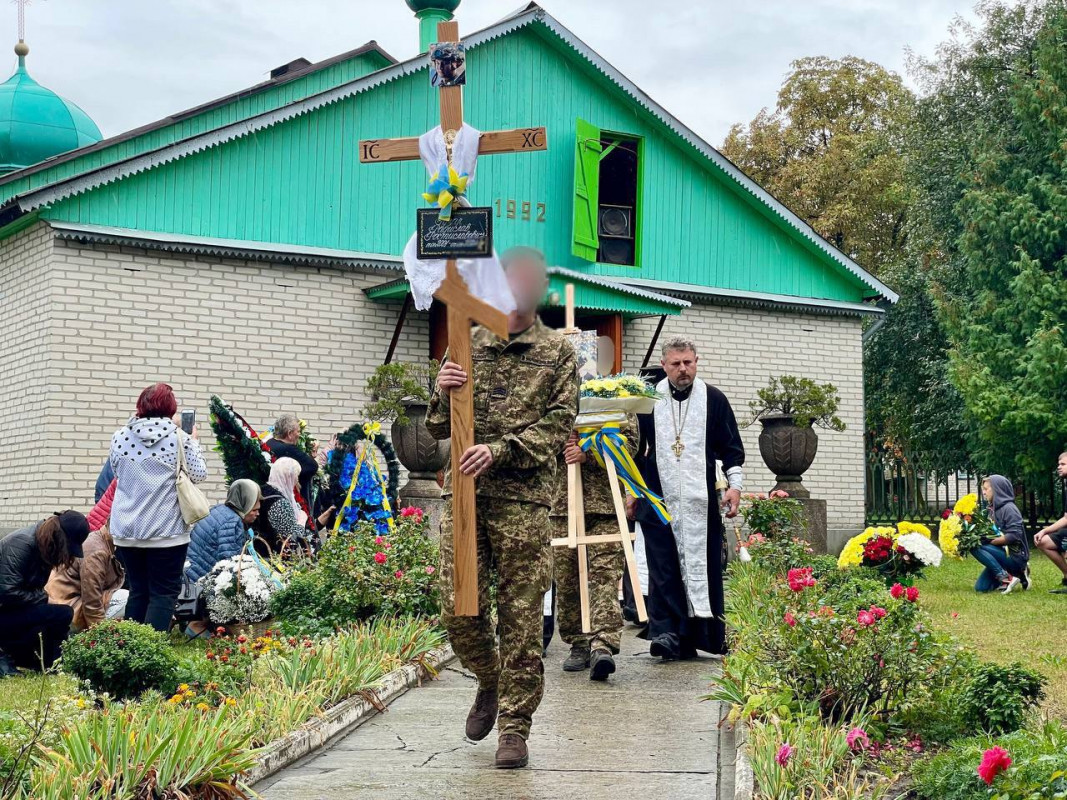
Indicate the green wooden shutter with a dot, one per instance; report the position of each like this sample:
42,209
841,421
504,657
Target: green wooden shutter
586,191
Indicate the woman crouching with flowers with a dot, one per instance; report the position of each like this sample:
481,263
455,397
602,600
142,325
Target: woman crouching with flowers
1005,557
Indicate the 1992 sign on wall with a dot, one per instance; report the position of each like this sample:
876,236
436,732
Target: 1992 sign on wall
524,210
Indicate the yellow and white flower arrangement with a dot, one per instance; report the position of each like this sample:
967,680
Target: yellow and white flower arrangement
621,392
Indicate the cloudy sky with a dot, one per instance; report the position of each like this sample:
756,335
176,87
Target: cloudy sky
710,62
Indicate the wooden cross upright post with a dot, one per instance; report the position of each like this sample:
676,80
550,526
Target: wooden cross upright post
575,499
463,309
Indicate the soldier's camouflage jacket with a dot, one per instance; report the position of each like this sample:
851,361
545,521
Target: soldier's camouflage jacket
525,401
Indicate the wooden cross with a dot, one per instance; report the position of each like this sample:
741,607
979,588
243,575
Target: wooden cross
463,309
576,535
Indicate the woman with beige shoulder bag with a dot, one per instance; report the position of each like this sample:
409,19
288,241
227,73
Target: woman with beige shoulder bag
155,503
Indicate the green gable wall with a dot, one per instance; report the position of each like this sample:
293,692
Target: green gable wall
240,108
300,182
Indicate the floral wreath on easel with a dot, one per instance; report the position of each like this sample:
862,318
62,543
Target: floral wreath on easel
243,451
357,487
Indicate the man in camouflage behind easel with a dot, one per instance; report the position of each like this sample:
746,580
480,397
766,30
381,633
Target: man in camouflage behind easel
594,650
525,399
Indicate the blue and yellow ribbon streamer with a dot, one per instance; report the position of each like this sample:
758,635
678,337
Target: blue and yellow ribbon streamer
446,187
266,571
608,441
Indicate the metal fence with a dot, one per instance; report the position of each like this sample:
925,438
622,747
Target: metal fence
900,487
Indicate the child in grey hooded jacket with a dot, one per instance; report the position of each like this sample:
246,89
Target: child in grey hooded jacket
1006,556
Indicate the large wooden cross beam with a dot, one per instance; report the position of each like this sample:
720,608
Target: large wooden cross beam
463,310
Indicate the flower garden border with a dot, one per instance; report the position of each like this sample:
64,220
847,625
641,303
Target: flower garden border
344,717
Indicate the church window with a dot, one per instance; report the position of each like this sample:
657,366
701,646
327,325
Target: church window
607,179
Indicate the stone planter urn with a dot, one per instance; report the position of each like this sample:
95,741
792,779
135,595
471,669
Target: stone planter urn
421,454
788,451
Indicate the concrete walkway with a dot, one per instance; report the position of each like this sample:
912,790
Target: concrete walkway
642,734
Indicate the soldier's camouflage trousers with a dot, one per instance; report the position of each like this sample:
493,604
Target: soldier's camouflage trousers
513,537
605,569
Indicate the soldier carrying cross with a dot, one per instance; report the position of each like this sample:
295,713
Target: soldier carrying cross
525,403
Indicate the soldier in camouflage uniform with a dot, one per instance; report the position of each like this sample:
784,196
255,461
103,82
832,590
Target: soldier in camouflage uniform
525,398
605,566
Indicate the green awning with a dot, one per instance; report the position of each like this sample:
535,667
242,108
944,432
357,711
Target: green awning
591,293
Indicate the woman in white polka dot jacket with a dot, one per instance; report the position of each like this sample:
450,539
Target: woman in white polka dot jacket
151,537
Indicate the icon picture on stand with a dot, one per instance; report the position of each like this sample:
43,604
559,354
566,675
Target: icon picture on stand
448,61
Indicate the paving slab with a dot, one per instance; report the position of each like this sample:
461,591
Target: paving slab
644,731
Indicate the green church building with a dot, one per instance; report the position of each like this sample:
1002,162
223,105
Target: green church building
240,248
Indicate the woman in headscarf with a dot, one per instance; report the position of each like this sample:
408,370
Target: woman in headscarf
283,518
222,533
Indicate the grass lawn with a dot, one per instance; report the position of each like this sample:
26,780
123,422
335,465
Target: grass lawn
1029,627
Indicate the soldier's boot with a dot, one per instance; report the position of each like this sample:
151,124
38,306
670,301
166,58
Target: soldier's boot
511,752
482,716
578,659
601,664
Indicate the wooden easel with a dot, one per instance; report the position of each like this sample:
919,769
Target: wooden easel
463,309
576,535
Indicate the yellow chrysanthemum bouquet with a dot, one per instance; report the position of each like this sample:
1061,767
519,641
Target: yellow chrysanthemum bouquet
964,527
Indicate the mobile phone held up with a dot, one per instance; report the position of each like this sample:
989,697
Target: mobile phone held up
188,420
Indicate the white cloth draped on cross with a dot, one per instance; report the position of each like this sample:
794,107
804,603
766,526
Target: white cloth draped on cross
484,277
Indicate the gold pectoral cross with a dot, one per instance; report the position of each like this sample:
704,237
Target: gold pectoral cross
678,447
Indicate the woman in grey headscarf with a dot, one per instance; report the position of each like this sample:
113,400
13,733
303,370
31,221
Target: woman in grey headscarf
222,533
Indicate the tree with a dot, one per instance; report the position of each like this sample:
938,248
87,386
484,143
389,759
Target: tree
836,150
1006,317
833,152
911,405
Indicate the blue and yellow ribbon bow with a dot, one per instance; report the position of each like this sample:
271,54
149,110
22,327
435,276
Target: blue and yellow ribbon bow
446,187
607,441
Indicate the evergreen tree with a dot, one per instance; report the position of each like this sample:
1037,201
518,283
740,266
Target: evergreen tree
1006,315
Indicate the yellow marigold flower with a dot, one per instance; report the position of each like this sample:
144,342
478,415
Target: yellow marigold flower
175,700
81,702
203,707
230,701
190,693
183,687
913,527
967,504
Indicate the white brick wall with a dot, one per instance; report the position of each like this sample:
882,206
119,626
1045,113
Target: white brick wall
79,340
27,376
741,348
266,337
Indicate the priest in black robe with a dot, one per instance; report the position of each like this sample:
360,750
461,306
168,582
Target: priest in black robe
691,428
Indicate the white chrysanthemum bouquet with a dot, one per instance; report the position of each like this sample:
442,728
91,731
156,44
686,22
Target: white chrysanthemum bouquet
239,590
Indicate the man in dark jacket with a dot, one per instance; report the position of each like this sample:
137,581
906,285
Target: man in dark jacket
284,445
31,628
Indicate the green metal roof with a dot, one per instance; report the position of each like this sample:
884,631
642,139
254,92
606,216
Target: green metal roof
294,84
287,175
590,294
36,123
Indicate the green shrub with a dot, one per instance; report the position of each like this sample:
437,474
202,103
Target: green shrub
849,590
781,555
1039,764
773,517
997,699
360,575
121,659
